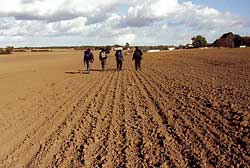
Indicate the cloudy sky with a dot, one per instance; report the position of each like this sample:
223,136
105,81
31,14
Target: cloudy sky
108,22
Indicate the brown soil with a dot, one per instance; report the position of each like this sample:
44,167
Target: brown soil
185,108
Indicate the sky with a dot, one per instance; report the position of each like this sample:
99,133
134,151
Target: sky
107,22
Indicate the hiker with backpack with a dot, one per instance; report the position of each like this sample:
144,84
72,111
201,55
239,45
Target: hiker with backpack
88,59
119,59
103,55
137,57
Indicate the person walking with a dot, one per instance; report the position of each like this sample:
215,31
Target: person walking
103,55
88,59
137,57
119,59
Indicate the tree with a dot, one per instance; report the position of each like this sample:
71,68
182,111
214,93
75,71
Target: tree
246,41
237,40
9,49
199,41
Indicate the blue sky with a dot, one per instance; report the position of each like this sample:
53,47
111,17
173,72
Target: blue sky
237,7
138,22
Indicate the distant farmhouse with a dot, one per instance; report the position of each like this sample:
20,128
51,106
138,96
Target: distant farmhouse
232,40
226,40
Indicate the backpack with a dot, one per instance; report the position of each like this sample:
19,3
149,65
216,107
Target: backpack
103,54
119,55
138,54
88,55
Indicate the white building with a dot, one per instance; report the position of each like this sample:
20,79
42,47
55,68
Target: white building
153,51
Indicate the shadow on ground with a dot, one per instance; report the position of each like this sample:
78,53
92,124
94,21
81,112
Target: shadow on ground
85,72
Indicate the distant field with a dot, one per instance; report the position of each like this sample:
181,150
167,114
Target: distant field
186,108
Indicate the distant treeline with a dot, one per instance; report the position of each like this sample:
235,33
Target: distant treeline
226,40
40,50
6,50
34,49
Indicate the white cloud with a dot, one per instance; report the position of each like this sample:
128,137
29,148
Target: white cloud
201,17
122,39
144,22
53,11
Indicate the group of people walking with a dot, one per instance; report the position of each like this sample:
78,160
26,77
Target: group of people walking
88,58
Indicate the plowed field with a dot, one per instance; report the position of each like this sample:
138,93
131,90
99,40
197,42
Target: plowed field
187,108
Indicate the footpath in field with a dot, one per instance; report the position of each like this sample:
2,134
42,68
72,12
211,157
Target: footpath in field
181,110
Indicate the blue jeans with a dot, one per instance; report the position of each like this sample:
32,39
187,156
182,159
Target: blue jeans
88,66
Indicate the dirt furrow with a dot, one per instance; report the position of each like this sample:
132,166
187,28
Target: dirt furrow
203,111
116,157
133,126
51,142
39,126
222,146
203,102
72,149
185,108
92,151
193,153
54,121
166,137
111,145
191,156
36,105
90,138
186,123
216,154
213,137
150,146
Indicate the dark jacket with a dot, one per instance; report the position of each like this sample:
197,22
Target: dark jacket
88,56
137,55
